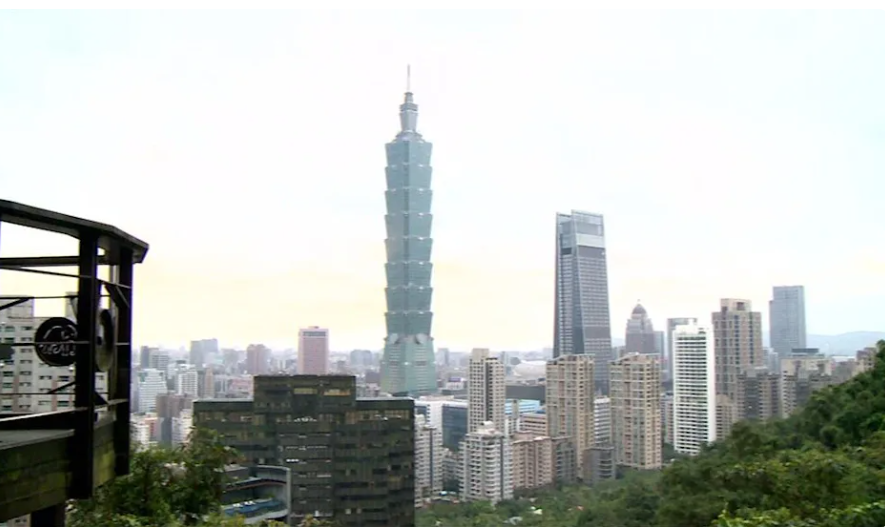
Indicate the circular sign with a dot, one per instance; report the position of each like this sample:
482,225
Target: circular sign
56,341
107,341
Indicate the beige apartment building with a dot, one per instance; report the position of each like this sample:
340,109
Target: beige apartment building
570,402
428,460
759,394
667,418
866,359
727,415
533,424
485,391
532,462
737,330
636,411
487,465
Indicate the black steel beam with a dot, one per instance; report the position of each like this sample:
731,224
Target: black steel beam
62,387
119,383
58,420
16,302
107,236
47,261
115,289
84,389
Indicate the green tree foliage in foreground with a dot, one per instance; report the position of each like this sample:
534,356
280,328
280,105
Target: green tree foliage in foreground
822,467
165,488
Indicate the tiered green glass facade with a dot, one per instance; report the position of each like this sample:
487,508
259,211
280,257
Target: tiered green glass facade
351,460
408,365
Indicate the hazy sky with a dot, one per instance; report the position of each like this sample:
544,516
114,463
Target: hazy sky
728,151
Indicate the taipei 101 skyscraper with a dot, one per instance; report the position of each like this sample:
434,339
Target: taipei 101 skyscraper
408,365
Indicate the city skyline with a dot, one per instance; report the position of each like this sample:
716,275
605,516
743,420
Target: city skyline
182,103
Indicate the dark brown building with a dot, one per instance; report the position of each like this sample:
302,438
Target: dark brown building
351,459
257,359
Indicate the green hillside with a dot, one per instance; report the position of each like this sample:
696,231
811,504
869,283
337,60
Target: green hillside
822,467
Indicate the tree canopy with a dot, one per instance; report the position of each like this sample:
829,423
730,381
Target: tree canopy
166,487
822,467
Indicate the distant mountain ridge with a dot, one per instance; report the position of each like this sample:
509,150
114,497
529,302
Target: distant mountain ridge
845,343
841,344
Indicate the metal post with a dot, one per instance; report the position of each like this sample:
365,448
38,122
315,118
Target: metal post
84,390
121,387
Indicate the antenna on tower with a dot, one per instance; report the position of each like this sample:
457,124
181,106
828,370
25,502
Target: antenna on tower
408,78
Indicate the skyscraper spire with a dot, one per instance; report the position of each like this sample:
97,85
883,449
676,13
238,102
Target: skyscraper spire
408,110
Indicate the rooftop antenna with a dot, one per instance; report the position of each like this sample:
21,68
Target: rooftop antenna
408,78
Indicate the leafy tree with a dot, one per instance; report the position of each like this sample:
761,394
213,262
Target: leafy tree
867,515
828,457
310,521
165,487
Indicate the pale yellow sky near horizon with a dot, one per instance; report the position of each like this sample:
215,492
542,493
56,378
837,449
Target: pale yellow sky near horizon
251,148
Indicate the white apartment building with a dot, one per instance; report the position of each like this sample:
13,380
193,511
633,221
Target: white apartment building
187,383
25,380
428,460
182,426
150,384
433,405
487,465
143,429
694,388
602,421
485,391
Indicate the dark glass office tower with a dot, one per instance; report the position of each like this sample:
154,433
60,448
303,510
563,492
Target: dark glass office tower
352,460
408,365
787,319
582,323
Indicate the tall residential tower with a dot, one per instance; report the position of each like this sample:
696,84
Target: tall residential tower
582,324
636,410
738,346
408,365
694,387
672,324
313,351
485,391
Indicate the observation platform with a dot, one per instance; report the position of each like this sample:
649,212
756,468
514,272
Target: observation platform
48,458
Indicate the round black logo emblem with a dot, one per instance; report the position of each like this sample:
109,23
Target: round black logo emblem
56,341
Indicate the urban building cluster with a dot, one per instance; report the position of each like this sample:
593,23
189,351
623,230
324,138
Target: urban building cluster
509,425
167,382
366,437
